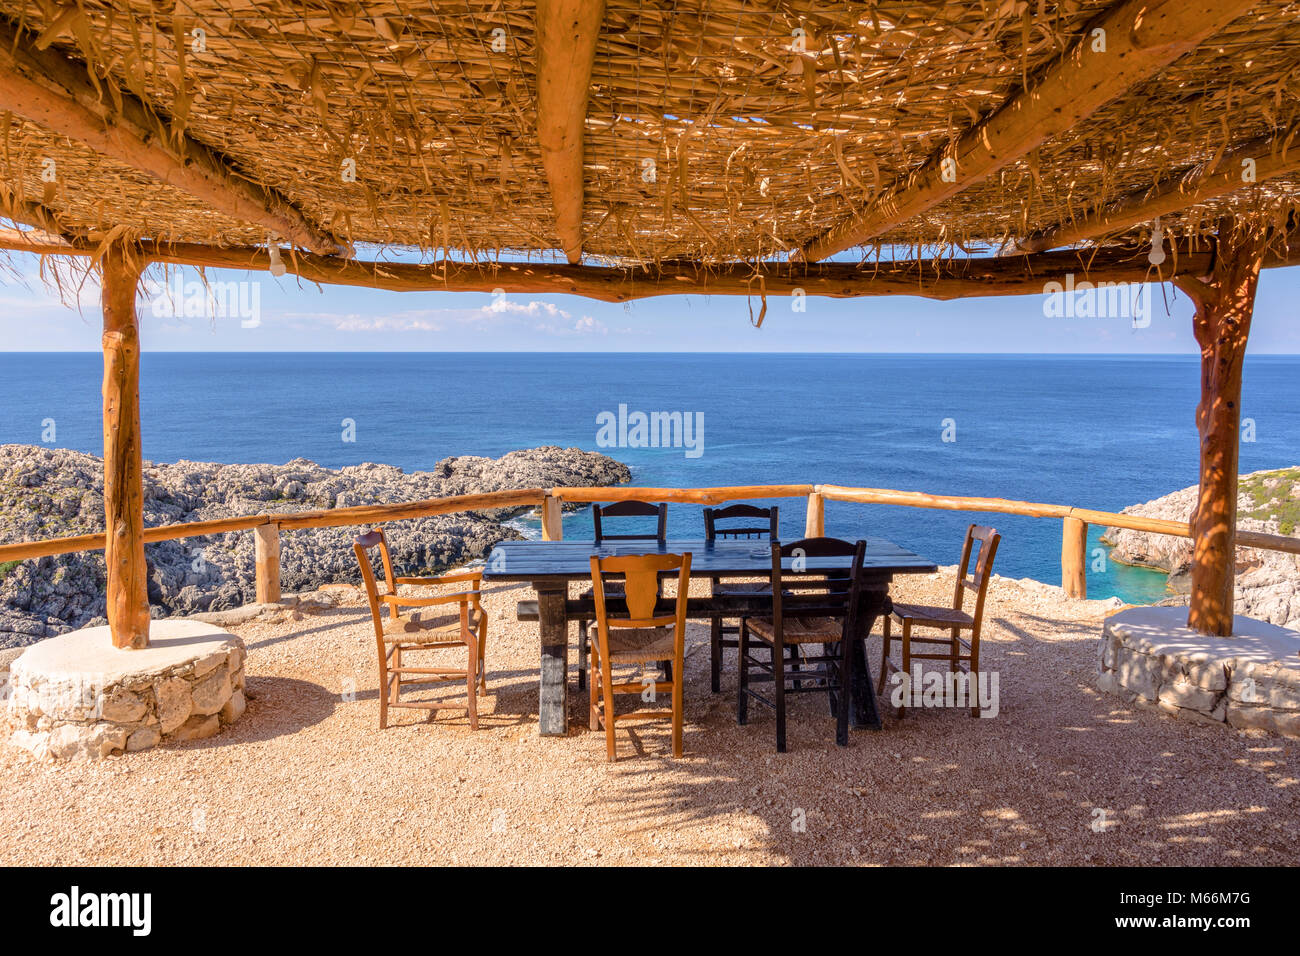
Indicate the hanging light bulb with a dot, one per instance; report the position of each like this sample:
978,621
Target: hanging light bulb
1157,254
277,266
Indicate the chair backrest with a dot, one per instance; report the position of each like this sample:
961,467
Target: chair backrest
978,579
816,591
640,574
362,546
630,509
741,521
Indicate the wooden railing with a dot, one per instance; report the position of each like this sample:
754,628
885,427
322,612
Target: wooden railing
550,502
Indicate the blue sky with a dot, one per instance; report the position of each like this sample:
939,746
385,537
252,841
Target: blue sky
292,315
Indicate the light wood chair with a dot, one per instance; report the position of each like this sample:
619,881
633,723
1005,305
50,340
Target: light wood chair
619,509
961,654
809,607
730,524
642,637
465,627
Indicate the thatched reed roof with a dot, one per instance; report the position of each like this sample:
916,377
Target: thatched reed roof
769,124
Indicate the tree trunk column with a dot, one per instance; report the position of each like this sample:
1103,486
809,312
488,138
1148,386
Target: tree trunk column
1224,306
127,593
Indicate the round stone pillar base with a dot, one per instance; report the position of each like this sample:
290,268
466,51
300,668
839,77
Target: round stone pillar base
76,695
1251,680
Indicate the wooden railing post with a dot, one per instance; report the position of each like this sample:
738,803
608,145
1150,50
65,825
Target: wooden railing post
266,555
815,522
1074,558
126,593
552,520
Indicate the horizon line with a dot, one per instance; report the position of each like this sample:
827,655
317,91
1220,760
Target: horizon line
754,352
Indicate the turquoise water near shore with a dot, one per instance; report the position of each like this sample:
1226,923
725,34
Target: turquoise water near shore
1101,432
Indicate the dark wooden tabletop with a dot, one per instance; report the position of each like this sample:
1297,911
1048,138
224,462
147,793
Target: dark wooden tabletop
571,560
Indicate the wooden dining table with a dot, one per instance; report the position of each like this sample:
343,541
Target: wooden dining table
549,566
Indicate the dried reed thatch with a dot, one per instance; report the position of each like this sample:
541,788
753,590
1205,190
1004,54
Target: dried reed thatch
716,131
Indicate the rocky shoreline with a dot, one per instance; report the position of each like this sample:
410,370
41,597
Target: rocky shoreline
1268,582
49,492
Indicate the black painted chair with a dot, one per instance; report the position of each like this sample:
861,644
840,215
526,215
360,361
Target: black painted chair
733,523
808,608
613,588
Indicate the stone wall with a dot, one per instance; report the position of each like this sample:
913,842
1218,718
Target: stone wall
1151,658
63,713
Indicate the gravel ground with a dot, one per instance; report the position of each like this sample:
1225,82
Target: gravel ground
1062,775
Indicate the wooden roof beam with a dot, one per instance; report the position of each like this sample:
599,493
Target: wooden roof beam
57,93
1139,38
959,278
566,50
1270,157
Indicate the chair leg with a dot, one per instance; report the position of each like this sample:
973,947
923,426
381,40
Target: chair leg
907,661
715,654
607,680
778,676
885,641
795,665
582,653
383,691
954,651
742,677
482,654
471,680
397,665
593,709
846,691
975,674
678,711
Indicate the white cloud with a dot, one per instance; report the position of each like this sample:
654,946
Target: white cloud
33,294
500,304
583,326
385,323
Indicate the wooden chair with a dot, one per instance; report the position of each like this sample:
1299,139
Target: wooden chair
953,619
642,637
465,626
630,509
808,607
619,509
731,523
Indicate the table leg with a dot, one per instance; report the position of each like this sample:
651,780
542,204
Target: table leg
863,710
553,702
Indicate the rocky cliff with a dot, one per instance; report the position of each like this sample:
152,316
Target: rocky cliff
1268,582
46,493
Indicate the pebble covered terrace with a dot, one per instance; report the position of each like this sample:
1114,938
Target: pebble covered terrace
1064,774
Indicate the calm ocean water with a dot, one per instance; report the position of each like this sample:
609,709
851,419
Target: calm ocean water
1101,432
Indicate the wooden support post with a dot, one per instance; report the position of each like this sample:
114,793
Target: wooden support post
127,593
1074,558
815,522
552,522
1224,303
266,554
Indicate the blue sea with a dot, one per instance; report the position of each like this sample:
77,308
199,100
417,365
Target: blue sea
1099,432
